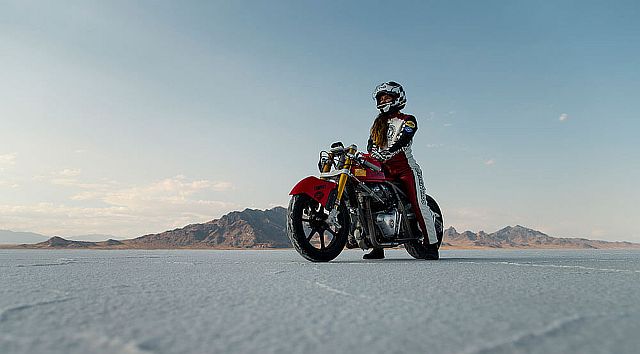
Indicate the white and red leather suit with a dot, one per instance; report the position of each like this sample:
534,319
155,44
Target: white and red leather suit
398,163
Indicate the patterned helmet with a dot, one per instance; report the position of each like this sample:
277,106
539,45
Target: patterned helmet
393,89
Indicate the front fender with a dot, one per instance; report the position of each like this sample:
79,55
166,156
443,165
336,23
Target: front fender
316,188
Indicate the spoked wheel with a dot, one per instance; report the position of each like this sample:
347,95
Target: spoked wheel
415,248
311,234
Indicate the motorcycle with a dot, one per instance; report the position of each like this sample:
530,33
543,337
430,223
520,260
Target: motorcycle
353,204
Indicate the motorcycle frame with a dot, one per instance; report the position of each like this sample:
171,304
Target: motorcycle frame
329,193
365,215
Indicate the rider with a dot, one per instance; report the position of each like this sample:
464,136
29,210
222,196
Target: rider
390,143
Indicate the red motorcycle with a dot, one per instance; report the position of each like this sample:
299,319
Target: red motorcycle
353,204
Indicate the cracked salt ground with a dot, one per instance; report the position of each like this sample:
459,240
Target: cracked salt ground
82,301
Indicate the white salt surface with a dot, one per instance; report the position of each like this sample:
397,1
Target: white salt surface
81,301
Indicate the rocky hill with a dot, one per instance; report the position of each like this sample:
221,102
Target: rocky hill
240,229
59,242
252,228
522,237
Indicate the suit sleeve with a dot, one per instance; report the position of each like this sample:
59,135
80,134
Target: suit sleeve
370,145
406,134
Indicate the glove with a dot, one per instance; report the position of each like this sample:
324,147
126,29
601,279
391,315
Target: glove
381,155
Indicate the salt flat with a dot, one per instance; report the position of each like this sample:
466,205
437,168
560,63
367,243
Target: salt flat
200,301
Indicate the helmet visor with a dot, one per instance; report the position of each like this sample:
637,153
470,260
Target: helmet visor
383,97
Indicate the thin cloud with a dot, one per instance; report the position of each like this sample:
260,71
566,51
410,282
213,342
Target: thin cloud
176,190
7,160
9,184
431,116
61,219
121,210
71,177
65,177
221,186
563,117
69,172
490,162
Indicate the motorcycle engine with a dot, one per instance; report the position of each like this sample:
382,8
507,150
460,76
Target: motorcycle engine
385,215
383,192
388,222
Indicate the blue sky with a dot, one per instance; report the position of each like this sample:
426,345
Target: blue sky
128,118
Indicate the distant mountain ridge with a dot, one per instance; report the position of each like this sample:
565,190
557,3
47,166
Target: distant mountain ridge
522,237
253,228
59,242
17,237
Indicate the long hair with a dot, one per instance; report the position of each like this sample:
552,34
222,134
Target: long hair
379,130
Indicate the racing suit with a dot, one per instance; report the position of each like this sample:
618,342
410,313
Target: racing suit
398,163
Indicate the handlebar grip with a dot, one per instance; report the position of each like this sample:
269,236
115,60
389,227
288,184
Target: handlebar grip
371,166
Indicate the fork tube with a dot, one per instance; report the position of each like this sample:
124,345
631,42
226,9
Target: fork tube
344,177
341,184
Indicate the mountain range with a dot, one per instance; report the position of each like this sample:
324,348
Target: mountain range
13,237
522,237
253,228
16,237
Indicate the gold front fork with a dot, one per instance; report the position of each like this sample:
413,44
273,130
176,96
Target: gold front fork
342,182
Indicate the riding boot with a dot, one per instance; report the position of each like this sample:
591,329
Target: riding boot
432,251
376,253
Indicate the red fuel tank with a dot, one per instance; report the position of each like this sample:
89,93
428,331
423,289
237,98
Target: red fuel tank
367,175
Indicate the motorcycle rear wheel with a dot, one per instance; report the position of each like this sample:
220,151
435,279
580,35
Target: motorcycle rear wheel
309,232
416,248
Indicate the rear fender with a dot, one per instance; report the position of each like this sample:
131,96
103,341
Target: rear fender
319,190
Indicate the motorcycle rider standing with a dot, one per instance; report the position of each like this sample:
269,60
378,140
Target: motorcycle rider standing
390,142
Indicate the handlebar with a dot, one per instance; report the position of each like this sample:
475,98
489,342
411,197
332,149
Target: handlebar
339,149
370,165
361,160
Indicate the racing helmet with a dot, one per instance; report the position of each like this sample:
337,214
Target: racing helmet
393,89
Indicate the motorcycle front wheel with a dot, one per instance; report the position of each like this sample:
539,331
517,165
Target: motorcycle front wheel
310,233
416,248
